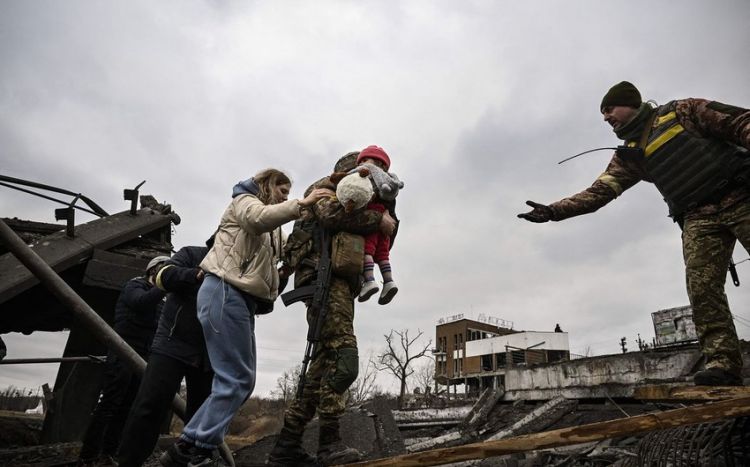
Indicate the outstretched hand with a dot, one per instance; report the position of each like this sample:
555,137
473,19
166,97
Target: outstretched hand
540,213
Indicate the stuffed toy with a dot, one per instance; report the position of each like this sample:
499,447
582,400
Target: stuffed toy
353,190
358,187
385,184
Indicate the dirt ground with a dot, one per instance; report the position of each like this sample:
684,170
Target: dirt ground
20,433
18,429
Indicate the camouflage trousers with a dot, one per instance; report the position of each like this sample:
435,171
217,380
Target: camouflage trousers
707,242
334,366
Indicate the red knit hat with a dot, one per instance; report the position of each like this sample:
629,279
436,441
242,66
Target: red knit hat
374,152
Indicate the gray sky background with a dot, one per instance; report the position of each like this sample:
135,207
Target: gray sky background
475,102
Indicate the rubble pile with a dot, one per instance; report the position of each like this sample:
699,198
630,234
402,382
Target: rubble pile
373,429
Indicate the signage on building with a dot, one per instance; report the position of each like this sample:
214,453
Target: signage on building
501,323
482,318
450,319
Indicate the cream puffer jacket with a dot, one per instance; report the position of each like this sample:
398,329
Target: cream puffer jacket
248,245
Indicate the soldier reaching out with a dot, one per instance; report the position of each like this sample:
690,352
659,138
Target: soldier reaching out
696,153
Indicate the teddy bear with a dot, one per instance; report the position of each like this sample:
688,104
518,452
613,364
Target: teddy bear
358,187
353,190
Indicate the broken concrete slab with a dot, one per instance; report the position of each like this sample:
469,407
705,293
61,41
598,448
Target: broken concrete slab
481,409
598,377
539,418
389,438
452,438
357,431
448,416
467,429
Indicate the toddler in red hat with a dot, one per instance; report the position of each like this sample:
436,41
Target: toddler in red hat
386,186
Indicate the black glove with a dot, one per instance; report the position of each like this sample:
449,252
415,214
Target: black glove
540,213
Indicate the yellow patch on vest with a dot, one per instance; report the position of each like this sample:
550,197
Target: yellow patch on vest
663,138
665,118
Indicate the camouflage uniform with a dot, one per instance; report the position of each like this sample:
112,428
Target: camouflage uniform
335,365
709,230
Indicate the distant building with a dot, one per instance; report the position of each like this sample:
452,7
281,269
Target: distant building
674,326
477,353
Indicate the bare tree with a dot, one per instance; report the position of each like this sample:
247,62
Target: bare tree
364,386
286,385
425,375
397,358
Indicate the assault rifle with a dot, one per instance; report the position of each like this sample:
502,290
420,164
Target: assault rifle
317,292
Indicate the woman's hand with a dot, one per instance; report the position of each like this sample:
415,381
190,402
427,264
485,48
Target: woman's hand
314,196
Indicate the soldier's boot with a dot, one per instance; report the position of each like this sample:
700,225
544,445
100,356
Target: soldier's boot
288,452
717,377
333,451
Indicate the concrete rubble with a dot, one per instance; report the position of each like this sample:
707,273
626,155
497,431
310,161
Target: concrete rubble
569,401
379,430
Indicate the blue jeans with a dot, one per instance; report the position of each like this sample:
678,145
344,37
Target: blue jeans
228,321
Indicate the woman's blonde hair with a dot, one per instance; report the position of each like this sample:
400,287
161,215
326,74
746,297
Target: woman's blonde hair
267,179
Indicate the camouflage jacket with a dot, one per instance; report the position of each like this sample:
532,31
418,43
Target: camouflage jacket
329,214
702,118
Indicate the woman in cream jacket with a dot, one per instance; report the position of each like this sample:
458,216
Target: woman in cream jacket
241,278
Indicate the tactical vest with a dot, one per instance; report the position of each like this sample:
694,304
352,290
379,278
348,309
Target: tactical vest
689,170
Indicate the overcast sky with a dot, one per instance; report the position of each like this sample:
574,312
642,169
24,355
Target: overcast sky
474,101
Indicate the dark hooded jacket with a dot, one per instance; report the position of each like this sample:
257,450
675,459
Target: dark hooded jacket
179,334
137,313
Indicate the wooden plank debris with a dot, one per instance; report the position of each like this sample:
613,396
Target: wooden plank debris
666,392
703,413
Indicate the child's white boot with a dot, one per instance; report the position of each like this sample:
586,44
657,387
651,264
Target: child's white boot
369,289
389,291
